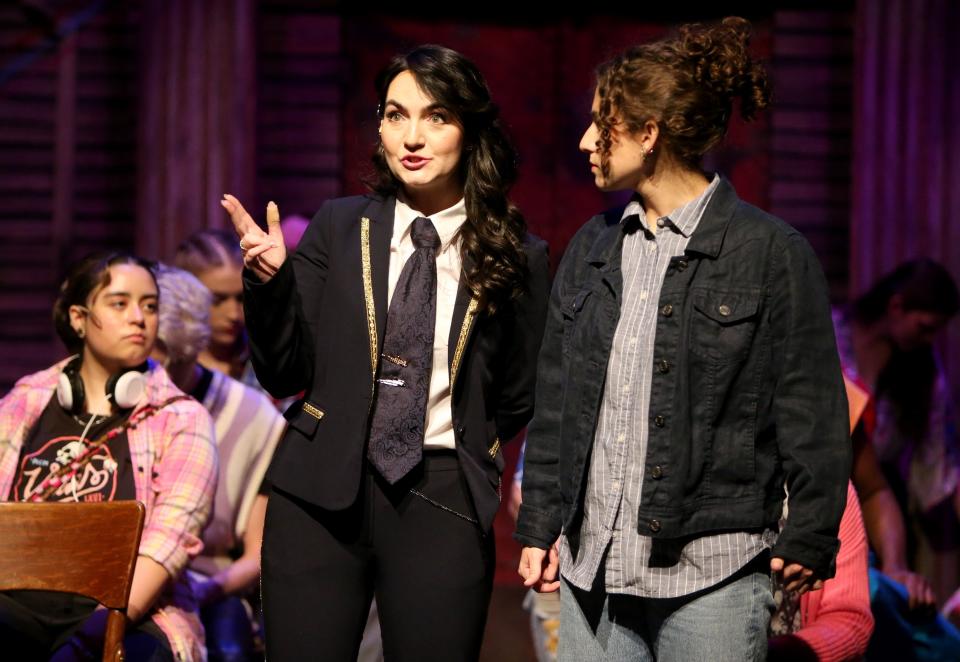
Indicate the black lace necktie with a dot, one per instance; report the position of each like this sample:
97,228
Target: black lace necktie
403,384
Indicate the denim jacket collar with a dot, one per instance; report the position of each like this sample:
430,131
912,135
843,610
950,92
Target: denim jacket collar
605,252
708,238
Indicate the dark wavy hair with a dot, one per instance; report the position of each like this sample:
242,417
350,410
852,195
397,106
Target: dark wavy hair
908,378
923,284
86,277
491,239
686,84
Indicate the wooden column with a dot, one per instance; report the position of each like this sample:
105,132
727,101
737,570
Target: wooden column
197,117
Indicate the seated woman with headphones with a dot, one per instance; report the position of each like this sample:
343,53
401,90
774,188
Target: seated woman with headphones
103,425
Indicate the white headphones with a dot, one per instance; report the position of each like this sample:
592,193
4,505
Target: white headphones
124,389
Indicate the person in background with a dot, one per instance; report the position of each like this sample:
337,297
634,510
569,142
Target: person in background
213,257
248,428
107,424
885,341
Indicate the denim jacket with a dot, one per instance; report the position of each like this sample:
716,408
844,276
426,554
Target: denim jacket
747,395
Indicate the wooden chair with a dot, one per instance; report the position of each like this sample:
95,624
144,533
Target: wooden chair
84,548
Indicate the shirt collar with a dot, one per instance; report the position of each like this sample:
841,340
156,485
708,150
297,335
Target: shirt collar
684,219
447,222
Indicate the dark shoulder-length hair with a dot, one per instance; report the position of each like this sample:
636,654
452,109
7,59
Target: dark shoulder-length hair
491,239
923,284
84,280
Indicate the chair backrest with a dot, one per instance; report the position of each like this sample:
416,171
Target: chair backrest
84,548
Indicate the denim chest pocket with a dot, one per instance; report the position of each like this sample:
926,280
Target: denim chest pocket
723,323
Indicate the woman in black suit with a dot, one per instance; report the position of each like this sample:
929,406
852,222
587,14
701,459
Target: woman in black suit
411,317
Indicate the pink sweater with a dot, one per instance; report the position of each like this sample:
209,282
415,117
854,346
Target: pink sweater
837,622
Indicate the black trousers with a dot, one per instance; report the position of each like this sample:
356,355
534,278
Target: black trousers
430,569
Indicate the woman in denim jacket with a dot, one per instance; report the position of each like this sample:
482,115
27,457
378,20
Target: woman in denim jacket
688,381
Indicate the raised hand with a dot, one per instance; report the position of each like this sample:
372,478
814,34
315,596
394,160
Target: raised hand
263,252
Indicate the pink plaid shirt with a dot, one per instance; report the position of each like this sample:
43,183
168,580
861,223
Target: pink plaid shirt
175,462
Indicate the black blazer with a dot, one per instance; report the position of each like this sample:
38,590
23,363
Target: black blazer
317,327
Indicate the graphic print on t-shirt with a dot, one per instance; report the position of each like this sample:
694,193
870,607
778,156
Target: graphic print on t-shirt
95,479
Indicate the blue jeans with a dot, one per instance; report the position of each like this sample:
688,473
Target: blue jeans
726,622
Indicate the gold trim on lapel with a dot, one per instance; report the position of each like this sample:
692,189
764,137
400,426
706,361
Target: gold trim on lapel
462,340
496,446
368,291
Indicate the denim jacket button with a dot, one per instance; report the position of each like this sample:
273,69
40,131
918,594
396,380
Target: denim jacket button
657,472
663,366
654,525
667,310
681,265
723,309
659,421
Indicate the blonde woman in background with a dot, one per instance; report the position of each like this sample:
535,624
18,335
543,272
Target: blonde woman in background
248,428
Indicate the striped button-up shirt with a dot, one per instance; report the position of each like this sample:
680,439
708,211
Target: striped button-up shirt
635,564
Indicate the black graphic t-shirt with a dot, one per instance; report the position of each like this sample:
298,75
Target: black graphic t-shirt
107,476
55,442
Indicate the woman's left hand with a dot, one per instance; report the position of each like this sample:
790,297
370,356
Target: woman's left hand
795,576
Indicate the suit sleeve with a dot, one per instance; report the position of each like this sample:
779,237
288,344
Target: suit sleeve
282,314
515,403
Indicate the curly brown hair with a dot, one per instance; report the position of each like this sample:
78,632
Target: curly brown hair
687,84
491,239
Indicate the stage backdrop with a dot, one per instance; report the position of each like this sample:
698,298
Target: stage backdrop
906,165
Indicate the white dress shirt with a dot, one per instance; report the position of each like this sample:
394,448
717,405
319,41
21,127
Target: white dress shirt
439,427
